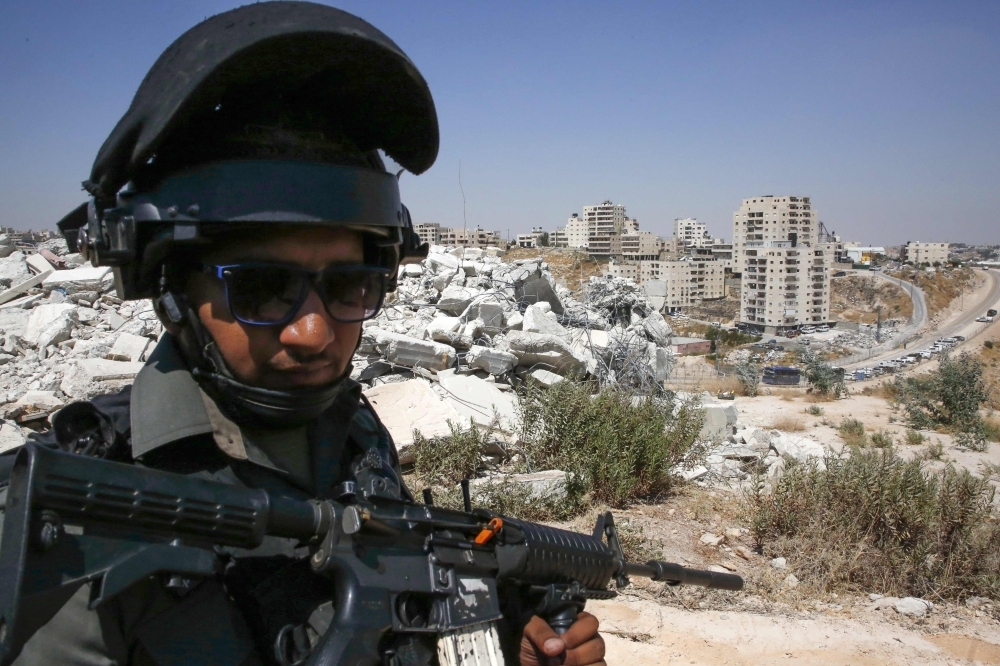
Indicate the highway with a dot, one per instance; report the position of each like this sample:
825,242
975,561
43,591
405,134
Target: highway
965,324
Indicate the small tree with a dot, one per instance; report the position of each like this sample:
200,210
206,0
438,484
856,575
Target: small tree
822,376
951,397
748,375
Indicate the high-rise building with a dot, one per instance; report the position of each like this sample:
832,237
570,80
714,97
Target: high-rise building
604,222
428,233
785,271
576,231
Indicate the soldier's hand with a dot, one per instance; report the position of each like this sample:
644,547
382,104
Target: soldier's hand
581,645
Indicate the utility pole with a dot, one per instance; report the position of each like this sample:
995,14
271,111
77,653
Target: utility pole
878,328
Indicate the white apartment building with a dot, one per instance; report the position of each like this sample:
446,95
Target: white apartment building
924,253
576,231
604,222
689,281
558,237
689,232
785,271
772,218
429,233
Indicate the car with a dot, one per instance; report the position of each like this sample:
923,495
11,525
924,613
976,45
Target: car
716,324
925,354
807,330
822,328
959,338
984,318
806,342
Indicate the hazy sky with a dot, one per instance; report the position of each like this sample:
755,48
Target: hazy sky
886,113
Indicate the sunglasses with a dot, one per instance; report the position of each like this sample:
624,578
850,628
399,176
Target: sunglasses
262,294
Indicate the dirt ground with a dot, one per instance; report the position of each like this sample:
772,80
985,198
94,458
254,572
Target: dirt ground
856,298
570,268
941,288
766,623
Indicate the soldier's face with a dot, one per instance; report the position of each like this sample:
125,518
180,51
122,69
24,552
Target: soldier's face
312,349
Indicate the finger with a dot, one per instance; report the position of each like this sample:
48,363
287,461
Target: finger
581,631
591,652
544,637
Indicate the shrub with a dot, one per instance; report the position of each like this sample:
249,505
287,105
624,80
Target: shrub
636,545
852,431
620,447
950,397
914,438
448,460
788,424
814,410
991,429
873,522
988,344
881,440
934,451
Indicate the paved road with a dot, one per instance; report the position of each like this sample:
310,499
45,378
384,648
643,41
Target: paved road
965,324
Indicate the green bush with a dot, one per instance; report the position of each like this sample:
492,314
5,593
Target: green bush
448,460
988,344
814,410
950,397
822,376
852,431
618,446
914,438
748,375
872,522
881,440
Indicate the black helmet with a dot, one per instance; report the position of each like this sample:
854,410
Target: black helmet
271,113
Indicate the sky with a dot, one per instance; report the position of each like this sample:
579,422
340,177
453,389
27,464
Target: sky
886,113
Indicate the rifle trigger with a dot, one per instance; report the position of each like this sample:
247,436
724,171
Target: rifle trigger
491,530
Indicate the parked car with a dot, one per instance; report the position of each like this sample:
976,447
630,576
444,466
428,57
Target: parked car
808,329
959,338
822,328
925,354
984,318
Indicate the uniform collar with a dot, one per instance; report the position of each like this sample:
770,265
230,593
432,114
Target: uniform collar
167,405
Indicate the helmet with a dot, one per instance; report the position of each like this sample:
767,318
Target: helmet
271,113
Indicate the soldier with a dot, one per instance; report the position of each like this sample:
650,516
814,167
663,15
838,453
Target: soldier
244,192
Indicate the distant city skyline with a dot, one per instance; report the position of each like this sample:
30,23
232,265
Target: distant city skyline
883,113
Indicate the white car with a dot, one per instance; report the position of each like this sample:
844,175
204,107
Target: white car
822,328
925,354
808,329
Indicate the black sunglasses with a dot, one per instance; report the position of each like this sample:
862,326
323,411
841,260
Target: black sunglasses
263,294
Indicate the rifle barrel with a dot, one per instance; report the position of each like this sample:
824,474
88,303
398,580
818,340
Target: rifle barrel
677,574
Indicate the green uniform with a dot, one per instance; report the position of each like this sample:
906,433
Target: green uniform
234,618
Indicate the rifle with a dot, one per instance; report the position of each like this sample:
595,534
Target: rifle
406,576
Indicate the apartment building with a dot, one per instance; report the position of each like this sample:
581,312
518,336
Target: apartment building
576,231
471,238
770,218
429,233
689,280
785,270
689,232
640,246
605,222
924,253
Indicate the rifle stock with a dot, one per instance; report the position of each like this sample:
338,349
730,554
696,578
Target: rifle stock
404,573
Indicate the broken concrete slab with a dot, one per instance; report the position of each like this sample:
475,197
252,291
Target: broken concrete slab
14,268
798,449
38,264
129,347
478,400
410,352
541,486
539,290
22,287
493,361
411,405
718,421
455,300
546,351
539,319
490,309
87,278
50,323
541,377
40,401
100,369
656,328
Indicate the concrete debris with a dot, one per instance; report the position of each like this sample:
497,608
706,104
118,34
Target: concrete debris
478,400
778,563
493,361
128,347
541,486
11,436
408,406
710,539
791,581
75,280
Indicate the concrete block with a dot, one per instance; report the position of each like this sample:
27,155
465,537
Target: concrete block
493,361
718,419
50,323
543,378
442,262
101,370
87,278
539,320
514,320
39,264
538,290
14,268
656,328
411,352
40,401
413,270
546,351
129,347
411,405
455,299
491,310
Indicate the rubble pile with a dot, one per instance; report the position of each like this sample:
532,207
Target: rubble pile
864,337
465,309
735,451
64,335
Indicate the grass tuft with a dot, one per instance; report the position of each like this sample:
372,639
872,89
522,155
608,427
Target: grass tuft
852,431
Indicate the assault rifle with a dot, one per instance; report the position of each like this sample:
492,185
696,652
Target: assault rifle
409,578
